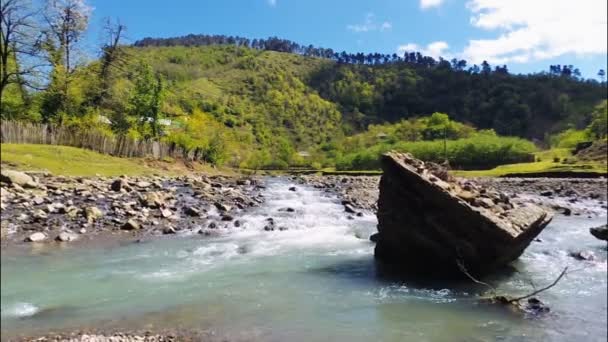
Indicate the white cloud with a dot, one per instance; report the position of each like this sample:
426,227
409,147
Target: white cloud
370,25
536,30
434,49
425,4
386,26
272,3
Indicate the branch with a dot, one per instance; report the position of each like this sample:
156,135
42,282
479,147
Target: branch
543,289
464,270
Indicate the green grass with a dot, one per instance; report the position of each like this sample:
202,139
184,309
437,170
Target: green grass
545,163
69,161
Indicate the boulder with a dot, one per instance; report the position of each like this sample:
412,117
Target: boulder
433,225
152,200
600,232
13,177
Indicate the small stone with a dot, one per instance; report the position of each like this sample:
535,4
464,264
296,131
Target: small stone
131,224
192,211
237,223
349,209
39,215
583,255
227,217
212,225
82,231
118,184
169,230
222,206
293,188
143,184
166,213
66,237
92,214
36,237
38,200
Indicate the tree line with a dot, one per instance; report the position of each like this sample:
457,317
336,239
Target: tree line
373,58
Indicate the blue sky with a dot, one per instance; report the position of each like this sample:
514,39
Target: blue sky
527,35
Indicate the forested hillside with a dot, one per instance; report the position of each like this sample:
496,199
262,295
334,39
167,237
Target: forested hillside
274,103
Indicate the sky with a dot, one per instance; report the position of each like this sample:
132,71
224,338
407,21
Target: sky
526,35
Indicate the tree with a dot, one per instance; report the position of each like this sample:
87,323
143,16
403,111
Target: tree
18,42
146,100
602,75
112,56
66,22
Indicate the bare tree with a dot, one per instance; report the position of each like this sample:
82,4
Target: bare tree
18,43
66,22
112,55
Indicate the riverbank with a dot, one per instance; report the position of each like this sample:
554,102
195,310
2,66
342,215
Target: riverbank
41,208
562,194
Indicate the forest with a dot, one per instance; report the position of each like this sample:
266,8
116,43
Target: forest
273,103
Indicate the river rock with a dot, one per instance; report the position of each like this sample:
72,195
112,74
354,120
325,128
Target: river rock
92,214
192,211
13,177
600,232
118,184
36,237
66,237
152,200
583,255
426,224
131,224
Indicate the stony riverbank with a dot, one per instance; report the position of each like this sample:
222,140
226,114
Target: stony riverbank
558,193
41,208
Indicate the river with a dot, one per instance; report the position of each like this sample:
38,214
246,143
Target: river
315,281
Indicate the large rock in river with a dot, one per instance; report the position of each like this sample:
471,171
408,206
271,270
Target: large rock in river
428,222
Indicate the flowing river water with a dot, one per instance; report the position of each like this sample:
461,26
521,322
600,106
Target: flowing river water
315,281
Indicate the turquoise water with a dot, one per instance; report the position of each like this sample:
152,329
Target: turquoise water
315,281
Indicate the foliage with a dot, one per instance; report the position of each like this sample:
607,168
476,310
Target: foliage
598,128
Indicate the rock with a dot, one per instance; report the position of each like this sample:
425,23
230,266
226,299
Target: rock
166,213
227,217
237,223
192,211
600,232
118,184
212,225
38,200
583,255
92,214
82,231
152,200
143,184
13,177
349,209
270,224
374,237
36,237
131,224
169,230
293,188
546,193
420,219
243,182
222,207
39,215
66,237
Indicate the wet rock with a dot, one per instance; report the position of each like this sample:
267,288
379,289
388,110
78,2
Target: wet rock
583,255
237,223
374,237
131,224
222,207
288,210
143,184
39,215
36,237
349,208
227,217
169,230
192,211
424,219
82,231
270,224
212,225
293,188
546,193
243,182
66,237
600,232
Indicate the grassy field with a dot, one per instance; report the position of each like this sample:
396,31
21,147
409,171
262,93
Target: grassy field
547,161
72,161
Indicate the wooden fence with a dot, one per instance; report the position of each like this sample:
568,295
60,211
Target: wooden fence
17,132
